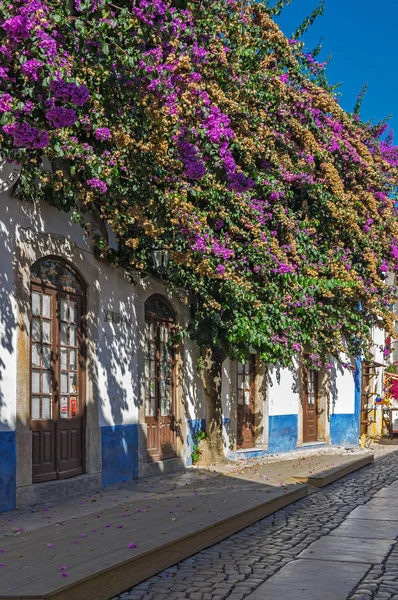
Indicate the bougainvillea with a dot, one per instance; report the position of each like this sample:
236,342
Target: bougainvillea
197,126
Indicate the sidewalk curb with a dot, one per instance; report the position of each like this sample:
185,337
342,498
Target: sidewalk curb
326,477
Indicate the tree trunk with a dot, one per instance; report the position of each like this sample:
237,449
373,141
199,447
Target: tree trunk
212,447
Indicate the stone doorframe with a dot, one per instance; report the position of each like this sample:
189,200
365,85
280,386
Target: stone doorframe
30,247
181,309
261,406
323,407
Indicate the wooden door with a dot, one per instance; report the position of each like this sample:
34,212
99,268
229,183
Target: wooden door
159,382
57,383
246,403
310,405
366,397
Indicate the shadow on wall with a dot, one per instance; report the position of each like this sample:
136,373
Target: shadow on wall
117,350
7,324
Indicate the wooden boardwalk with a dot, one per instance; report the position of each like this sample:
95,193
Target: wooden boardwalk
103,552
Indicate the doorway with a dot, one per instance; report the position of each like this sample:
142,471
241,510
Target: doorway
57,402
159,379
310,405
246,403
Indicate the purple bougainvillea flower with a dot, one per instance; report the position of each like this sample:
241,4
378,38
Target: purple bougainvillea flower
103,134
83,535
132,546
50,545
60,117
63,568
98,185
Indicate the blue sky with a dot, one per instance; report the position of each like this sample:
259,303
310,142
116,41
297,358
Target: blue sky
361,36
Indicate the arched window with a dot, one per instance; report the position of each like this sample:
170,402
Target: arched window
159,378
57,364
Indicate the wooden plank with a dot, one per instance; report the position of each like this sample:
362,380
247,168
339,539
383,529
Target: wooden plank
101,574
326,477
147,532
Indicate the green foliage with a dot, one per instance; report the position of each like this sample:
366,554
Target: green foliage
360,98
308,21
196,452
279,6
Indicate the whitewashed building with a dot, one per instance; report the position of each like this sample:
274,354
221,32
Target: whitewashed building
90,393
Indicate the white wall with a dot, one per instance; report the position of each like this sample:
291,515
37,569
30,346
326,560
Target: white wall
342,390
194,399
283,390
8,316
117,351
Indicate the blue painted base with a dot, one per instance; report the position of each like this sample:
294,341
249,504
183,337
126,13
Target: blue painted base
8,464
344,430
119,453
282,433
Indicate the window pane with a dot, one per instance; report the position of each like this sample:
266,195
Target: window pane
47,306
240,381
36,382
36,355
35,407
64,408
64,334
36,304
150,407
64,309
36,329
64,358
72,383
72,359
240,397
165,400
72,311
46,407
64,383
72,333
46,356
46,332
247,398
240,367
46,382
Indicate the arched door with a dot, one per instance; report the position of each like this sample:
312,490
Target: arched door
159,379
57,366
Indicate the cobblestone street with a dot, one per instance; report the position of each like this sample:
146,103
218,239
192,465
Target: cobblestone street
358,561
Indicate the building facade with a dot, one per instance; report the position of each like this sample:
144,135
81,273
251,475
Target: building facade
91,393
